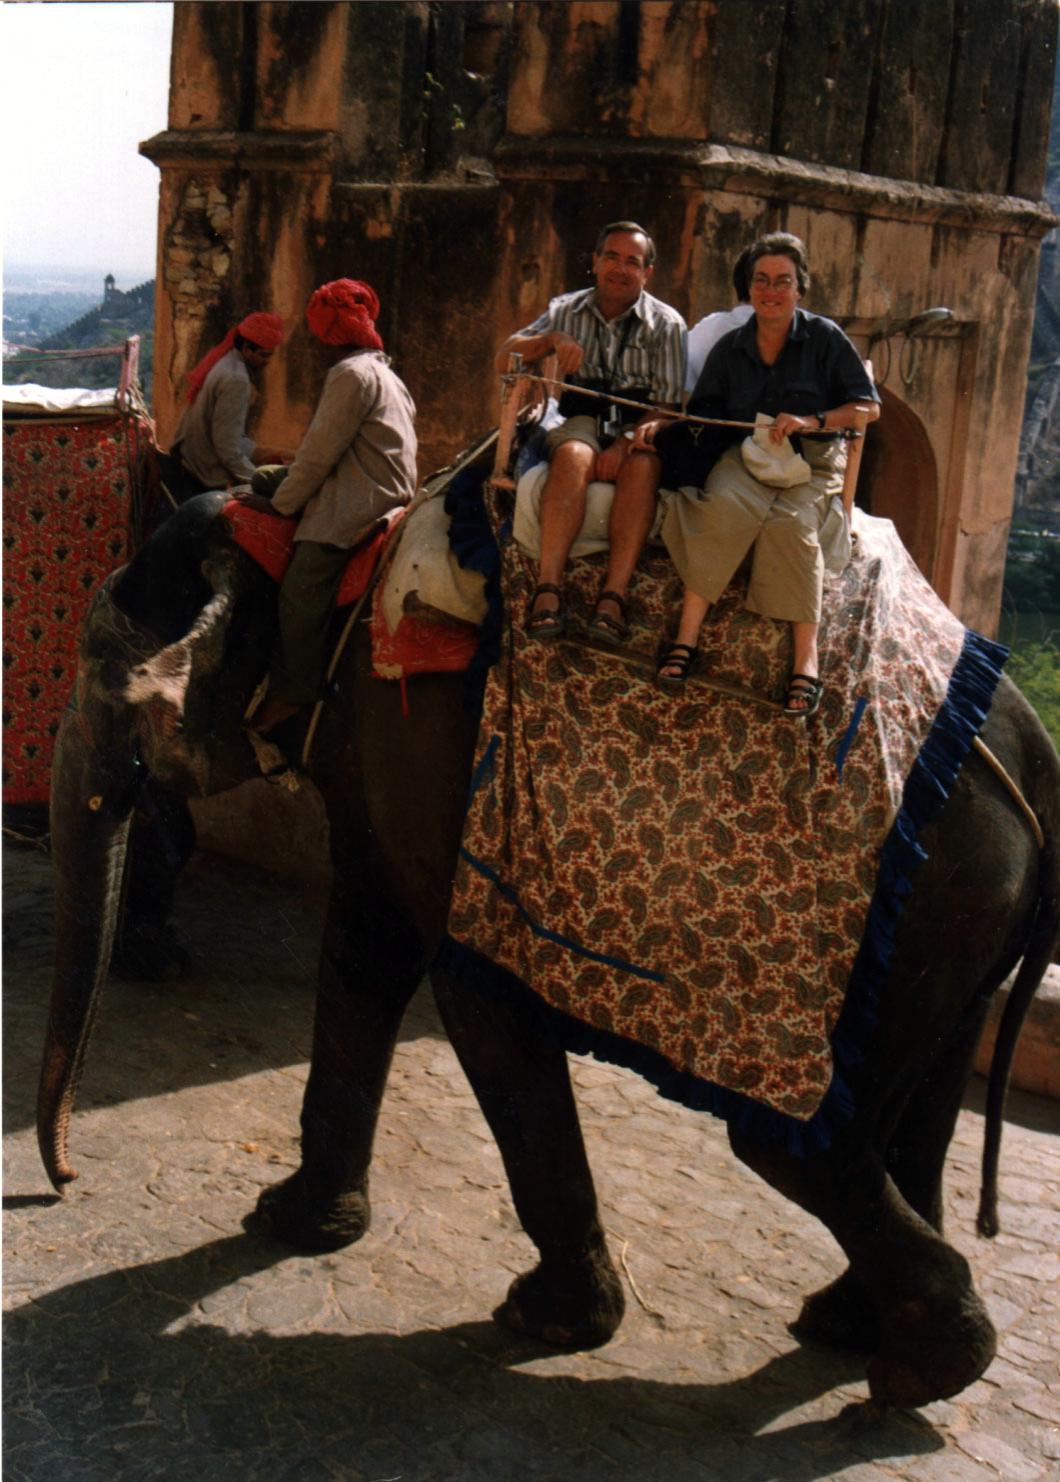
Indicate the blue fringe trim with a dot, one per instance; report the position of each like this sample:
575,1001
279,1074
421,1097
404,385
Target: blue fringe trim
968,698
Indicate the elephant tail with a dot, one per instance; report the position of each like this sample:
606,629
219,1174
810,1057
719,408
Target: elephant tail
1037,957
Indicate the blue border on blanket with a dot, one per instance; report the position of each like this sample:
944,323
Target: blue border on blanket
968,698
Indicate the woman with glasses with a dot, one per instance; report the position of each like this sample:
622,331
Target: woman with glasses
804,373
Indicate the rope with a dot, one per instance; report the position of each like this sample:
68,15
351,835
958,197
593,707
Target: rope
41,844
1010,783
139,428
554,386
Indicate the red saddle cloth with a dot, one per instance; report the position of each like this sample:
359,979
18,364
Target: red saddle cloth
270,541
417,645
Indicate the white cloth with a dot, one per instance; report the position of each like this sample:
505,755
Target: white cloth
31,399
777,465
702,338
425,572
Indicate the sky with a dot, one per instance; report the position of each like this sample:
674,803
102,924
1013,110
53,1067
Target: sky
82,85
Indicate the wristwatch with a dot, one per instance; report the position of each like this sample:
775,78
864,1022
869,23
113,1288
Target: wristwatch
820,419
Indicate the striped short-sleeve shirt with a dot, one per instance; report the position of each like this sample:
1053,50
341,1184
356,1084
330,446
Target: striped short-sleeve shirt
651,352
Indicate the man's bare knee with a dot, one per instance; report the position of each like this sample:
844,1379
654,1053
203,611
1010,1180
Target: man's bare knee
642,473
573,457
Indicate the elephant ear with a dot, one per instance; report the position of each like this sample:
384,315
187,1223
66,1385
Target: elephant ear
166,676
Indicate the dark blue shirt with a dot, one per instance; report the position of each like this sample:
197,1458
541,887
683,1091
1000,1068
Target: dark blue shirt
817,369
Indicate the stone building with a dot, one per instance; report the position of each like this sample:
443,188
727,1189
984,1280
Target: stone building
461,157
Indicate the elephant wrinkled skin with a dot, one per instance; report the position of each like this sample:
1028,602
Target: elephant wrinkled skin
169,657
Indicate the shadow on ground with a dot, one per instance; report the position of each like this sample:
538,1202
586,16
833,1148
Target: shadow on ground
142,1382
245,1005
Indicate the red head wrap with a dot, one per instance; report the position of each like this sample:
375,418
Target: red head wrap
344,313
263,330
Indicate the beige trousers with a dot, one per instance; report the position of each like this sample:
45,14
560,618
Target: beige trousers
708,533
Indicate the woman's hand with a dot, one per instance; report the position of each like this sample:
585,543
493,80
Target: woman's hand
644,434
789,424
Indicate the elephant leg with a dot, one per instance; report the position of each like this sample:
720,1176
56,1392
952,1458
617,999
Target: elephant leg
371,963
934,1334
573,1298
916,1152
161,841
842,1313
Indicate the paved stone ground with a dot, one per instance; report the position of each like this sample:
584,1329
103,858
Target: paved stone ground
148,1337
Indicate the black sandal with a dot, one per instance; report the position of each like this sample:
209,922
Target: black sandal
679,656
549,623
606,628
805,687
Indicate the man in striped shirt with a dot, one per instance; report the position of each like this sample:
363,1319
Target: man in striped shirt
617,340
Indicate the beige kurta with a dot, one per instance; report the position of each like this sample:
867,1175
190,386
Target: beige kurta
358,456
709,531
212,436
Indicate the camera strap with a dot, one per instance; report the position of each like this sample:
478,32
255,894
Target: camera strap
610,422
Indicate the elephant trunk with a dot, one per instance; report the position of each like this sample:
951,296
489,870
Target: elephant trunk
91,803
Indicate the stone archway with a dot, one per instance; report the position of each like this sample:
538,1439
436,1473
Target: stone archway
899,479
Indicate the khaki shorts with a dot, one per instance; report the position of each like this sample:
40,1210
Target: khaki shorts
574,430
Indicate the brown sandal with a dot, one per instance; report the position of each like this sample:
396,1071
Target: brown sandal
805,687
606,628
679,656
549,623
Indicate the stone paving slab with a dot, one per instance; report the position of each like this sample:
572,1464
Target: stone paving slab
148,1337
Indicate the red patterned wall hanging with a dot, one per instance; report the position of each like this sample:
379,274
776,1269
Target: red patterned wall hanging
71,491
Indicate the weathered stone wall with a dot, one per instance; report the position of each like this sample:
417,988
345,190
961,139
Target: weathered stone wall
462,156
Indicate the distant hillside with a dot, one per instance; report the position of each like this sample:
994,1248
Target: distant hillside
1038,474
31,315
120,314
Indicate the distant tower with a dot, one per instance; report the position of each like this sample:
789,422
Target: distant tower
108,288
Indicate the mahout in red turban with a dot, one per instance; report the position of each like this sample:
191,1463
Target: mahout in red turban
344,313
263,330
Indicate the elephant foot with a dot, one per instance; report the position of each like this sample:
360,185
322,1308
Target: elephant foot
289,1212
565,1306
841,1314
149,955
928,1353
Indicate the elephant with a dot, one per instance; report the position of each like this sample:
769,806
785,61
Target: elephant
170,653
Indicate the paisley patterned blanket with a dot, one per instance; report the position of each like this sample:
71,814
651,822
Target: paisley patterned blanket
687,880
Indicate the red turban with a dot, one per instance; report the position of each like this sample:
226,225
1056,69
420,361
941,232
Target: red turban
263,330
344,313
